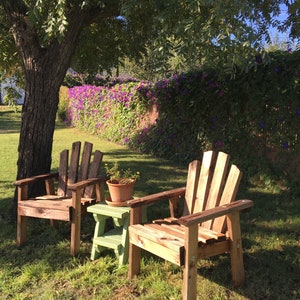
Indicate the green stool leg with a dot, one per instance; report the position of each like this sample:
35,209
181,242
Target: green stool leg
99,230
124,247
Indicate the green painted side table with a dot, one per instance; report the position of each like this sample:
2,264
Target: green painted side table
116,238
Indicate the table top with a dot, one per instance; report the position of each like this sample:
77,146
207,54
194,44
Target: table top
107,210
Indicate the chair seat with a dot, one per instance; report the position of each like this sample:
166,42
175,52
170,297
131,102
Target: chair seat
48,207
168,240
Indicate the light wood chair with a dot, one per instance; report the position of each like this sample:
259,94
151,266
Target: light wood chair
79,185
209,225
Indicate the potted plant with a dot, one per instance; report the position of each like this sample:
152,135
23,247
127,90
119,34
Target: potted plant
120,183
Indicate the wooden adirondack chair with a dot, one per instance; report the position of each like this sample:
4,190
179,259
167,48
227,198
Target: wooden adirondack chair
76,189
210,224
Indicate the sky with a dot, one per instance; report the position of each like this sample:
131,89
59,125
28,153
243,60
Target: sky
282,37
274,33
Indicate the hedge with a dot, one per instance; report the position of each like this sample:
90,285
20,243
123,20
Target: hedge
255,116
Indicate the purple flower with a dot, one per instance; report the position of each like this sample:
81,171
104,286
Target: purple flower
258,59
277,69
203,76
262,125
219,143
285,145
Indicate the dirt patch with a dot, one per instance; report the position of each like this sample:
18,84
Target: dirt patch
127,292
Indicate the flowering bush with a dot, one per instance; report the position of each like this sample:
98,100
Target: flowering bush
255,117
114,113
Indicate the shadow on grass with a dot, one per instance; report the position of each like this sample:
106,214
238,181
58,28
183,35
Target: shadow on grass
271,241
10,121
155,175
44,243
270,274
52,246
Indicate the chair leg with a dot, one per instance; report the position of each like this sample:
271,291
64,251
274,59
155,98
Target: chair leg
134,251
54,223
190,264
75,237
236,249
21,230
134,260
75,222
98,232
124,253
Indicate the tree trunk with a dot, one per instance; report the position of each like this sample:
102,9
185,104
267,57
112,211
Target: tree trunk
38,122
45,63
44,69
38,119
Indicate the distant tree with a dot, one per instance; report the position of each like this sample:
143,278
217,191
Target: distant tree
220,34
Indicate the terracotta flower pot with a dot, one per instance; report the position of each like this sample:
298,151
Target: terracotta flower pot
120,192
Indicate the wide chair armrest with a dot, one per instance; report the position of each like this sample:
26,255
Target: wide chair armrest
97,182
156,197
219,211
85,183
33,179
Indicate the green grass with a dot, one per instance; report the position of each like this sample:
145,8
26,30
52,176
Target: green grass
43,269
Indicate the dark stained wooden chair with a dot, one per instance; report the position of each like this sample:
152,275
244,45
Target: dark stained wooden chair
209,225
78,185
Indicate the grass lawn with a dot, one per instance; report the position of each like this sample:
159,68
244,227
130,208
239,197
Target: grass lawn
43,269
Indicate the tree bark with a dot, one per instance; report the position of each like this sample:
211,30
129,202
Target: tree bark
44,68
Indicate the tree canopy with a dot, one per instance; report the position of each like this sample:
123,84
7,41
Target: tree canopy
222,33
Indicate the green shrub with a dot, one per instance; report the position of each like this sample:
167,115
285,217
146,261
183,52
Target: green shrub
114,113
255,116
63,104
11,97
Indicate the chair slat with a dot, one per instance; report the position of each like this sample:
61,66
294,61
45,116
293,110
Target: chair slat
176,231
210,236
162,236
159,237
95,165
228,196
94,172
191,187
204,181
63,173
74,161
85,161
217,184
168,249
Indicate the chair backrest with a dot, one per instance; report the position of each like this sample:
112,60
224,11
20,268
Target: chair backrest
78,170
211,184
